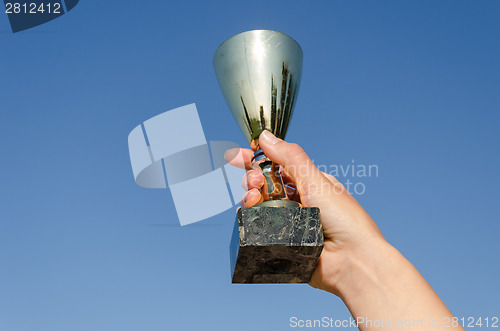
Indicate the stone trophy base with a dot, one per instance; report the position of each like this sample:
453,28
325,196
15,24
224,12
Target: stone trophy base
275,244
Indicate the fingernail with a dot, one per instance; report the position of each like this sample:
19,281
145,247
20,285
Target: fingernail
244,183
230,154
269,138
245,198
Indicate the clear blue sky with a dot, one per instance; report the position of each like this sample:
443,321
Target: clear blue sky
411,86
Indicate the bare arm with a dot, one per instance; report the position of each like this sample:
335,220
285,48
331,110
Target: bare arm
381,288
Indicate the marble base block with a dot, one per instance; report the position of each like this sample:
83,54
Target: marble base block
275,244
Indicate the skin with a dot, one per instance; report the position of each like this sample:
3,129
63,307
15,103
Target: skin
357,264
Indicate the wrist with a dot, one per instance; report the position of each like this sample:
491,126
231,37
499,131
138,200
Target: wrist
378,283
347,271
368,268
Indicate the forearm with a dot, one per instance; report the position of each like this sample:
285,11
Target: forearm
372,278
383,290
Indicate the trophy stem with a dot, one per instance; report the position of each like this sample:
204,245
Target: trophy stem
273,191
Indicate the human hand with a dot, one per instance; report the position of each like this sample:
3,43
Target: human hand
357,264
347,227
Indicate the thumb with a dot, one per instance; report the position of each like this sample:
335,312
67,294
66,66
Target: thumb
313,187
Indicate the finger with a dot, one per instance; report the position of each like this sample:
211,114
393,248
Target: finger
287,179
253,179
310,182
330,177
292,193
239,157
251,198
290,188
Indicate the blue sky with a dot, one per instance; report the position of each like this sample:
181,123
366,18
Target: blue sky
411,86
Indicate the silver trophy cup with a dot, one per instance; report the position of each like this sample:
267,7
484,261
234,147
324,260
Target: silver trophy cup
276,241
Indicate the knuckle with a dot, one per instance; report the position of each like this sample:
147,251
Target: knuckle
295,155
294,150
244,181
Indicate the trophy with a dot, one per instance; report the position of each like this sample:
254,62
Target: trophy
277,240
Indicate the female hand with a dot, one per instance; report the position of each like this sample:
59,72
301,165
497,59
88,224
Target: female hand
346,225
357,264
